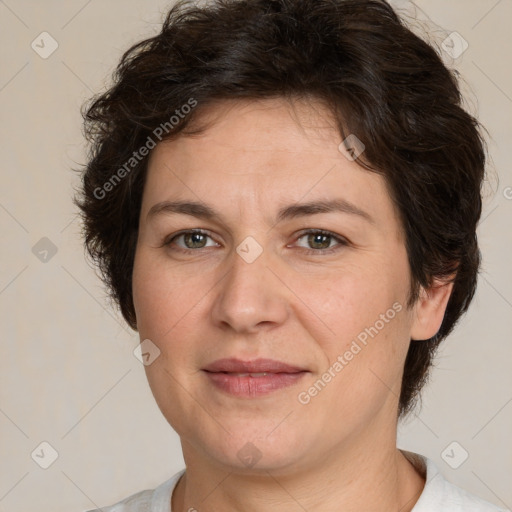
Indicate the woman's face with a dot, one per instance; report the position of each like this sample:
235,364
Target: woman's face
258,283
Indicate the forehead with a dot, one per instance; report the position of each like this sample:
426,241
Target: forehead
276,126
259,156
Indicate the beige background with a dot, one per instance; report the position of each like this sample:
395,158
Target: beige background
68,373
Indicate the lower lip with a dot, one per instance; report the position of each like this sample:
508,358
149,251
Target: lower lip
250,387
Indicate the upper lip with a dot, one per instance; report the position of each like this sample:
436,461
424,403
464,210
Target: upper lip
233,365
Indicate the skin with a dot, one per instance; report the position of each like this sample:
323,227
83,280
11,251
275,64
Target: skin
338,452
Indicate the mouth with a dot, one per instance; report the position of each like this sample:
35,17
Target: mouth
250,379
256,366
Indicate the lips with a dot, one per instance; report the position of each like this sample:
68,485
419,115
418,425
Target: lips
251,379
257,366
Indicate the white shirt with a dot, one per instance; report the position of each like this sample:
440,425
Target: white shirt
438,495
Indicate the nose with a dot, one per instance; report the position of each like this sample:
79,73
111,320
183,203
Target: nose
251,296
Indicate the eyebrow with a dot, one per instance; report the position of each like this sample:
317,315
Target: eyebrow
203,211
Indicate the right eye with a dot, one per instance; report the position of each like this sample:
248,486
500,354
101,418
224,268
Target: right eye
191,240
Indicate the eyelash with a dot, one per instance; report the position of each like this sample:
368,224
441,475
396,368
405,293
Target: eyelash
341,241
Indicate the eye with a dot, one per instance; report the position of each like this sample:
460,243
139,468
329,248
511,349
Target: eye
319,241
193,239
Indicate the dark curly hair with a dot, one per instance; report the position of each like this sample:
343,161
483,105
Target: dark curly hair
381,82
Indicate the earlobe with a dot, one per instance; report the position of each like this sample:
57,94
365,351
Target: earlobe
430,308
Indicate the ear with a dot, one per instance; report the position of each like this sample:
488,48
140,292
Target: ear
429,310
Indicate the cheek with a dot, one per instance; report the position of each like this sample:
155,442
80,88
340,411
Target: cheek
363,321
164,303
163,297
349,300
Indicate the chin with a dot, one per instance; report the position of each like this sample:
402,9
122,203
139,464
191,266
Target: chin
251,450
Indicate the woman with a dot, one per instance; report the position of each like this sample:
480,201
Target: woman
283,196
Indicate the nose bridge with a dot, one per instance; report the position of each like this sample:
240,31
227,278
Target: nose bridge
249,294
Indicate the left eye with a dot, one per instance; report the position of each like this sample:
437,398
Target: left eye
320,240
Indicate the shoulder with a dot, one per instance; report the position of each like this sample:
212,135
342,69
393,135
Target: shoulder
139,502
149,500
452,498
440,495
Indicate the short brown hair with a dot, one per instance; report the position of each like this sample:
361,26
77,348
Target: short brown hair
381,81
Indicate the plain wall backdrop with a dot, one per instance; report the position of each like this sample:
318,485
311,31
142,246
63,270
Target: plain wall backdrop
68,375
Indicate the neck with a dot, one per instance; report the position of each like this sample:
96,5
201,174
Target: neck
370,480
